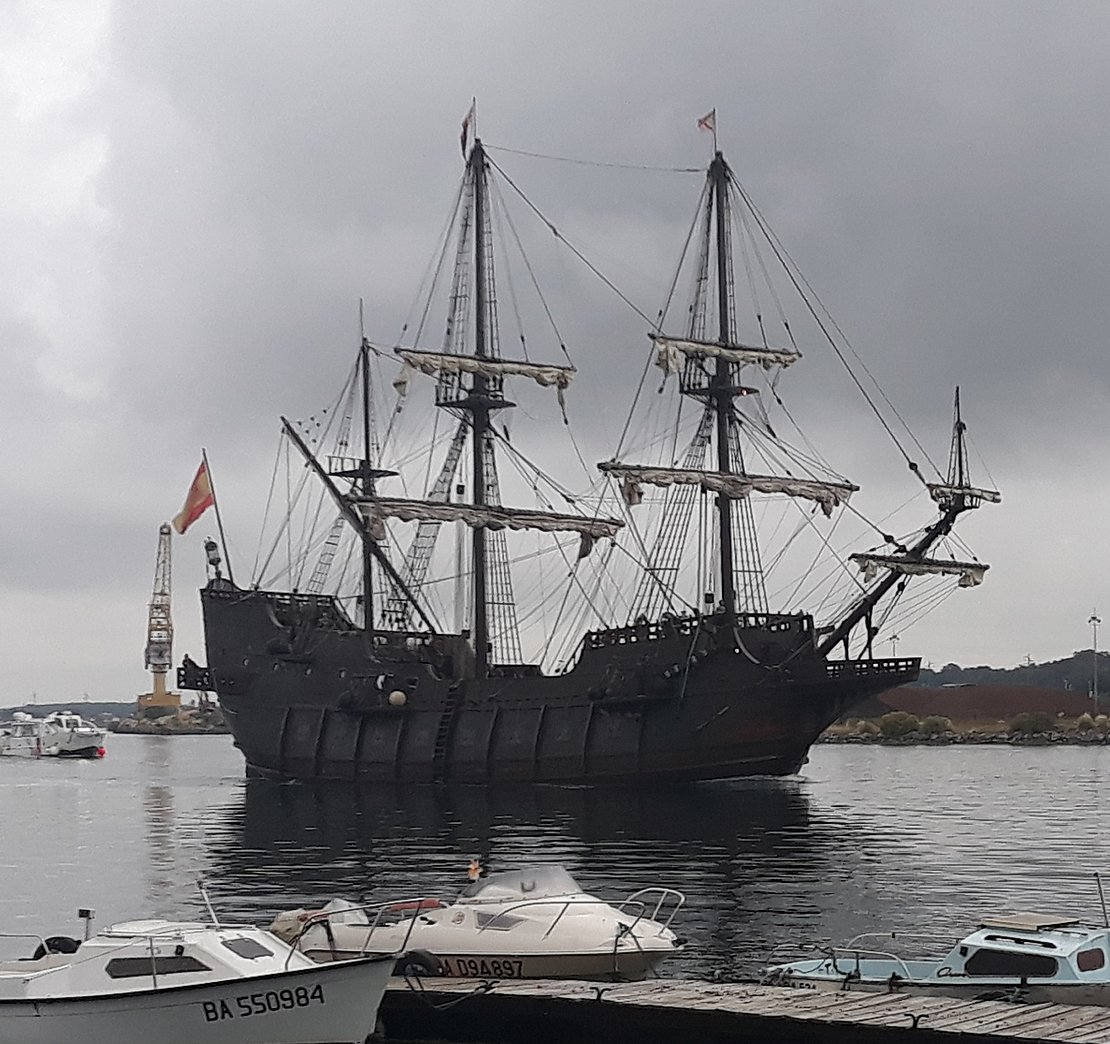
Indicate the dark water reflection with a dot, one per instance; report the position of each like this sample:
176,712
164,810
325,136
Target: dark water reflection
868,838
721,845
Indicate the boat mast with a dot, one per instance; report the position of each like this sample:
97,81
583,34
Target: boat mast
957,463
347,510
954,497
721,385
367,489
479,411
862,609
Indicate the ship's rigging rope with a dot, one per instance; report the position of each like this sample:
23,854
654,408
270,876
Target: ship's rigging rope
595,163
605,589
426,290
503,211
570,246
811,300
659,324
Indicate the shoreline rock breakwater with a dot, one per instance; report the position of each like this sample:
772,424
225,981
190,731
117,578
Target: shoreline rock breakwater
1030,729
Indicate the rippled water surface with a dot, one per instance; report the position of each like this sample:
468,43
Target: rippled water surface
869,838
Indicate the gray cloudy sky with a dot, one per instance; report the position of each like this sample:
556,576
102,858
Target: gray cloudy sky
195,196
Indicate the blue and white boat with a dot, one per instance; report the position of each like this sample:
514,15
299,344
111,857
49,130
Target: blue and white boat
1020,957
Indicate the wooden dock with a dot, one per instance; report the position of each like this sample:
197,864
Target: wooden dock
548,1012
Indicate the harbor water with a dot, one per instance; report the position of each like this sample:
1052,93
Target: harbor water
867,838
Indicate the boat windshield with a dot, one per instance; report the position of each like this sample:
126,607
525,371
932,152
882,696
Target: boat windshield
536,882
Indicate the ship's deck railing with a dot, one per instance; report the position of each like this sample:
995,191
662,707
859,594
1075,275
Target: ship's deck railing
687,626
902,665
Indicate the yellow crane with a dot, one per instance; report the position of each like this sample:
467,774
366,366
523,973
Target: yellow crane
159,638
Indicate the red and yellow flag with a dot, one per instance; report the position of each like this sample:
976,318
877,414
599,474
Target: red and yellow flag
197,501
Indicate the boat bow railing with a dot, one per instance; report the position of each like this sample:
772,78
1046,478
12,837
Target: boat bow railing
847,959
856,955
38,940
665,898
638,910
933,939
377,915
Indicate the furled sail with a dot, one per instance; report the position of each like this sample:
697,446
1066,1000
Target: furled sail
489,516
670,352
945,494
829,495
433,363
970,573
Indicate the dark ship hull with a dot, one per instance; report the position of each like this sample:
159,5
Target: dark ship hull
307,695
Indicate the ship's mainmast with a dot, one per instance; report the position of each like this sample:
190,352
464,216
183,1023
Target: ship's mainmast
367,474
470,374
722,388
479,404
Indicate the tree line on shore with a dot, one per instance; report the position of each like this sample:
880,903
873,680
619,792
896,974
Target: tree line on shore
901,728
1072,673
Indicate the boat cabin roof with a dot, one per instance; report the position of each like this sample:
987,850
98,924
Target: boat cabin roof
1032,933
130,929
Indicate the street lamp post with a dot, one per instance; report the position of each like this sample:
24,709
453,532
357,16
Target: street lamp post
1094,621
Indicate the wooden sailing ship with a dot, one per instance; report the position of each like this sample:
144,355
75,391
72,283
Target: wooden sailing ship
714,686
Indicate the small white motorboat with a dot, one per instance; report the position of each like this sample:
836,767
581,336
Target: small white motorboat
74,737
183,983
1020,957
535,923
62,734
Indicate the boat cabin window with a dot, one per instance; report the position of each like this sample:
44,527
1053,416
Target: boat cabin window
1090,960
536,882
249,948
1001,962
134,967
496,922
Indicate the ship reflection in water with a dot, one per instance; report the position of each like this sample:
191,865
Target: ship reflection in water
741,853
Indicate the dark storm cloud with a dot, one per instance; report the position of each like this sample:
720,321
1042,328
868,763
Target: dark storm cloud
201,205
